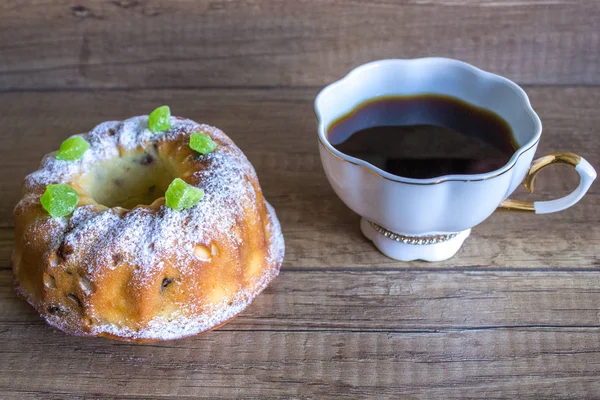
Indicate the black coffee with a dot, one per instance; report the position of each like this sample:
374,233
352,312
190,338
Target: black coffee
424,136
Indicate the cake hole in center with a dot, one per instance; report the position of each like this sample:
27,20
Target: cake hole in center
136,178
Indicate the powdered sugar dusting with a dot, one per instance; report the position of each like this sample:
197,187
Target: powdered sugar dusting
146,237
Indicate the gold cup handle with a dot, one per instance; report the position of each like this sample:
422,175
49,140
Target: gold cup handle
587,174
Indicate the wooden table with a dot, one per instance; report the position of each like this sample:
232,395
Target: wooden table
516,313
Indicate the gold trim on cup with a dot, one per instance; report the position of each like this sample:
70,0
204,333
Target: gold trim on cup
529,182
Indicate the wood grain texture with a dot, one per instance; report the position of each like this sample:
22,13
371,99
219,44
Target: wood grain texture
511,363
339,335
151,43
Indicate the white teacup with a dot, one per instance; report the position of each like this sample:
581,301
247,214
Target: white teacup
429,219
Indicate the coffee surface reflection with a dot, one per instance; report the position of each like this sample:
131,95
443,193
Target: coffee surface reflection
424,136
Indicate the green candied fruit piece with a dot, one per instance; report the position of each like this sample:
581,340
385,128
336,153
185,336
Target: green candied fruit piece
59,200
72,149
202,143
181,195
159,120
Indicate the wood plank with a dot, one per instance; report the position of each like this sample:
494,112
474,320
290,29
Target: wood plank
402,301
276,129
504,363
7,243
141,44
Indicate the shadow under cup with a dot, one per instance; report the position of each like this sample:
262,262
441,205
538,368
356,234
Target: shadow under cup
429,219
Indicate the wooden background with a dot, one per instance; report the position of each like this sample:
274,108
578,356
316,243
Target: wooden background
515,314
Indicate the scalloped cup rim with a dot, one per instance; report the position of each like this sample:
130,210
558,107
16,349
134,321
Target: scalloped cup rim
443,178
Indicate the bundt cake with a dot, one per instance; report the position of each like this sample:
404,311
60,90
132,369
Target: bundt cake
152,228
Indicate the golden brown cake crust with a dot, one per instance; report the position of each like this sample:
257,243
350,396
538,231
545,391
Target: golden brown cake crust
149,272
